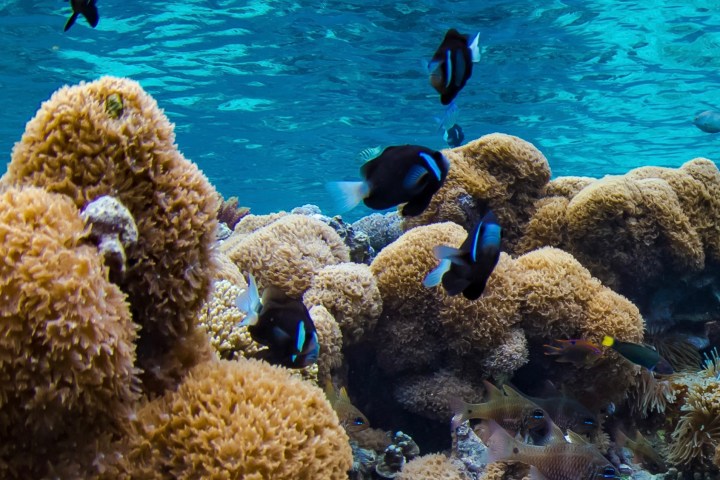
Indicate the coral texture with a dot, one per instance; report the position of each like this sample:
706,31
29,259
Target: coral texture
349,291
220,319
431,467
497,171
66,342
288,252
237,419
330,339
73,146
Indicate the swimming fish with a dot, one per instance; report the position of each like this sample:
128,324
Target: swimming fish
644,452
449,118
87,8
566,412
451,65
577,460
408,174
351,419
467,269
454,136
281,323
639,355
708,121
512,411
574,350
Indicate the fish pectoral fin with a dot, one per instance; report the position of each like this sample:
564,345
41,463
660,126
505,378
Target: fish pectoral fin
415,178
454,255
536,475
71,21
434,278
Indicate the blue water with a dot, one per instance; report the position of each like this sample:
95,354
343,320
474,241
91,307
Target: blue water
273,98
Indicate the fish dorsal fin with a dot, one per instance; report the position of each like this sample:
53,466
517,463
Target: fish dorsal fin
330,391
493,392
511,392
576,438
344,395
550,390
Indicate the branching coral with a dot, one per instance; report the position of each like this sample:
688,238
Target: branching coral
497,171
350,293
237,419
75,147
230,213
66,337
288,252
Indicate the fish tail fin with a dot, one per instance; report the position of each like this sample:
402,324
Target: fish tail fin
249,302
71,21
434,278
91,15
444,252
608,341
460,409
500,444
347,195
474,47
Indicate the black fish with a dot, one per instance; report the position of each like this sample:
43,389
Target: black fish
281,323
454,136
408,174
467,269
639,355
87,8
451,65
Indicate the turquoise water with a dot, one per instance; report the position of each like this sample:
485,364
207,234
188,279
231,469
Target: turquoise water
273,98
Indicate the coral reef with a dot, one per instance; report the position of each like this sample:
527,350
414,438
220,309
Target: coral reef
431,467
230,213
66,348
350,293
288,252
236,419
497,171
74,147
331,341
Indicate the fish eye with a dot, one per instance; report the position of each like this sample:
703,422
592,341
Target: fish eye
358,421
609,472
538,414
589,421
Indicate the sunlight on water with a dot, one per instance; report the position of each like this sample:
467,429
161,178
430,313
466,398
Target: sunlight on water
272,98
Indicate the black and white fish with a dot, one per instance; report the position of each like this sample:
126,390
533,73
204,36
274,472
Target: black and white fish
451,65
281,323
408,174
467,269
86,8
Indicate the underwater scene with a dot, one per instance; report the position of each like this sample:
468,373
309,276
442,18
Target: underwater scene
281,239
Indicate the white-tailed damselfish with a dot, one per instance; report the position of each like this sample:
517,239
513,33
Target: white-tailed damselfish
408,174
281,323
87,8
466,269
451,65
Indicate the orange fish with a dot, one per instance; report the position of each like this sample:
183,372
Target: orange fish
575,350
351,419
577,460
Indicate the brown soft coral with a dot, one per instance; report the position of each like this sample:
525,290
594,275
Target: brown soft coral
330,339
81,145
498,171
288,252
66,336
432,467
560,299
349,291
620,225
237,419
407,331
